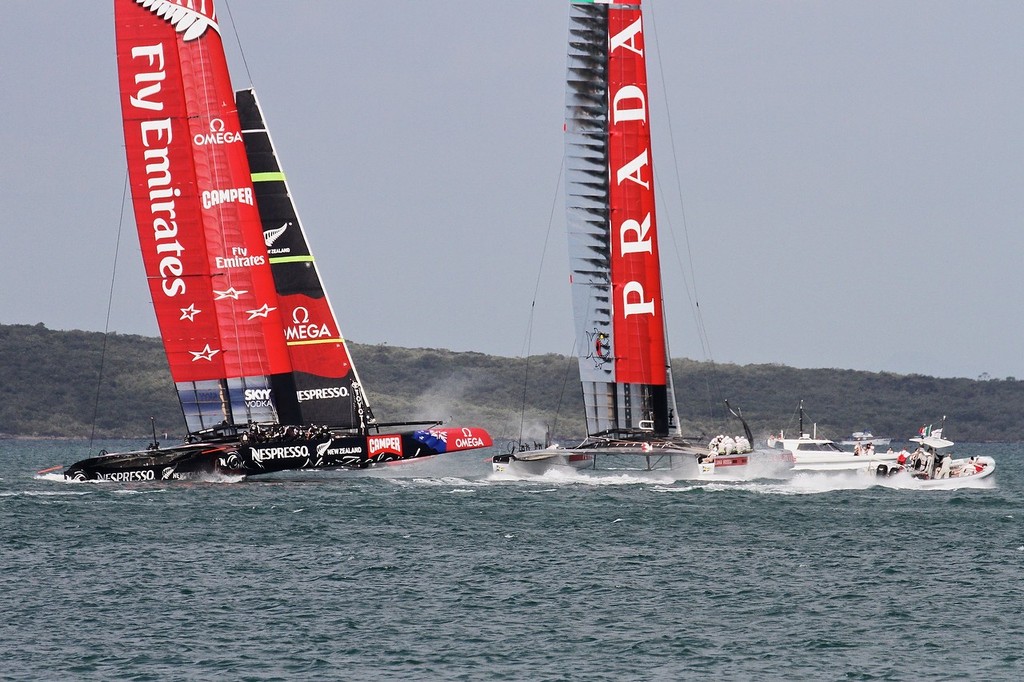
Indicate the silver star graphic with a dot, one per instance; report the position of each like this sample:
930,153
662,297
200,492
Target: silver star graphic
230,293
189,313
260,312
204,354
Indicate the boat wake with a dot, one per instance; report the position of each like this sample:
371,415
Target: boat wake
457,483
43,493
903,483
817,483
53,477
571,476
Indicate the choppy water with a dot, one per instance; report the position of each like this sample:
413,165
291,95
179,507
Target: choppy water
440,571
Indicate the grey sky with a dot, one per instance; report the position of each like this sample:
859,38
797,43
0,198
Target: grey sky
852,173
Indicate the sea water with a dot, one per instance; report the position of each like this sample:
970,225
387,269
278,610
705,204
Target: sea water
443,570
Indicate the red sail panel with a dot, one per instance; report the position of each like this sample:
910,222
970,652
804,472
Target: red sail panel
636,279
198,225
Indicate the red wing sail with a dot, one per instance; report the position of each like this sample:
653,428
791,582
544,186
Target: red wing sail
636,276
610,216
198,224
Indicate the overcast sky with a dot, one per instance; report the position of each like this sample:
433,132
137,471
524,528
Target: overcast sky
851,173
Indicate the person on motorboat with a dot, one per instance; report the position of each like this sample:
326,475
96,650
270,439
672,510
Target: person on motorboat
973,466
917,459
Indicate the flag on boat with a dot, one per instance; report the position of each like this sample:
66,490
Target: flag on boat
926,431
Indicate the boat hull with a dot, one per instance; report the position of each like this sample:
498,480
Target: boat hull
159,464
251,455
964,471
539,463
820,454
686,462
828,461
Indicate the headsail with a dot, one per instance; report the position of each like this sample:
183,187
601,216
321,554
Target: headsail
198,225
324,379
613,245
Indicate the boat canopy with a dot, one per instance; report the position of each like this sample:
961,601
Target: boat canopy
934,442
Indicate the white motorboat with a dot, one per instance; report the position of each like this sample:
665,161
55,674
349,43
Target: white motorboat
821,454
932,465
811,453
865,438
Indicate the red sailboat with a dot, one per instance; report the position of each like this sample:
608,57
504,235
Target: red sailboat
263,374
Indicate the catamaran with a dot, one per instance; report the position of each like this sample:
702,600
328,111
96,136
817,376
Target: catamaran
262,372
624,360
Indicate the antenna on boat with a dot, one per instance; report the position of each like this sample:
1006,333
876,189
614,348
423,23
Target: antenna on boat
738,415
152,423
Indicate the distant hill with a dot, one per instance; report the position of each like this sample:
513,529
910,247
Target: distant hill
51,386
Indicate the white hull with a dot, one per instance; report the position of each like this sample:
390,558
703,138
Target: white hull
821,454
540,462
962,473
829,461
684,464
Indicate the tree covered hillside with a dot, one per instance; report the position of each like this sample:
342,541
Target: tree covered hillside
52,386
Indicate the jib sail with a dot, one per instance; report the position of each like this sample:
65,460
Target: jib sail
325,380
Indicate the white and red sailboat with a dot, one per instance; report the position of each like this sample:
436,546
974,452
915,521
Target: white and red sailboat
614,259
262,372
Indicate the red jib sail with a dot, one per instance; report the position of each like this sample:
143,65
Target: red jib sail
199,227
613,243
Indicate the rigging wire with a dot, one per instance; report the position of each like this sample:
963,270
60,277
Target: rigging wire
565,382
110,305
710,381
238,41
528,340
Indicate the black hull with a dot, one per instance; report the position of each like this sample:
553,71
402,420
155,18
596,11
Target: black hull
175,463
250,455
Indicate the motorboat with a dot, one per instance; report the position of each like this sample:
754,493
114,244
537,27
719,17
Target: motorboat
810,453
865,438
933,465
